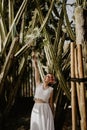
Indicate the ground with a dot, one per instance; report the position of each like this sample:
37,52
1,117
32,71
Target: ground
19,115
17,123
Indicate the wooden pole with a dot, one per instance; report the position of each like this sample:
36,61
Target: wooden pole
82,89
77,87
73,89
77,76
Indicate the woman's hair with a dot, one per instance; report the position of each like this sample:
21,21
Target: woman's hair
52,79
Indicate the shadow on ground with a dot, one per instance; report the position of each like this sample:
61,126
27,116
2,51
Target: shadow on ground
19,116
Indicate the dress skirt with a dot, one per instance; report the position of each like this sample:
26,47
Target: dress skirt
41,117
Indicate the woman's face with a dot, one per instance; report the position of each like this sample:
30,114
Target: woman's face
49,78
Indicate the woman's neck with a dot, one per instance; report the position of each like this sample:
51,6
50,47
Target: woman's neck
45,85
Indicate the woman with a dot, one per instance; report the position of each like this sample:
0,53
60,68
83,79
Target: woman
42,112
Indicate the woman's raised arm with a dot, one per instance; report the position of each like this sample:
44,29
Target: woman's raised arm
37,75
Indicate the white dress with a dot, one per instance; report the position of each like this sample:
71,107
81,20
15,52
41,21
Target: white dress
41,116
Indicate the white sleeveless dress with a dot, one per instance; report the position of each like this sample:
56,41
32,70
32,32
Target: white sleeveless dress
41,116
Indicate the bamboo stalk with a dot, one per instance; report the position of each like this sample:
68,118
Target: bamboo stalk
47,16
11,15
77,76
82,89
73,89
3,31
